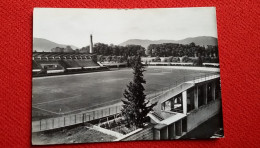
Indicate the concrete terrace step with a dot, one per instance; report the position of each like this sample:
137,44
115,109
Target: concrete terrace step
159,117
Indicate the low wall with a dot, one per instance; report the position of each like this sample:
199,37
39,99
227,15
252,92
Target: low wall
202,114
69,72
189,68
55,71
145,133
106,131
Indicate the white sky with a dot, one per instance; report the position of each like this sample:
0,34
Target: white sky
74,26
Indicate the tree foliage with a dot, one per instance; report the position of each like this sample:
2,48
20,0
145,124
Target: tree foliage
67,49
180,50
129,50
135,106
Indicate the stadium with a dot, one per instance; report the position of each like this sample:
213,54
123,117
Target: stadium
93,93
66,83
74,88
71,89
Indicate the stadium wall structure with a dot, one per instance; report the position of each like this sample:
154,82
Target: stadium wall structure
213,69
180,64
166,132
176,128
69,71
202,114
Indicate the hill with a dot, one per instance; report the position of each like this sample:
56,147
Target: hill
201,40
40,44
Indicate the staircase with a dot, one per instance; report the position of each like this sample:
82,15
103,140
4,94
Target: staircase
159,117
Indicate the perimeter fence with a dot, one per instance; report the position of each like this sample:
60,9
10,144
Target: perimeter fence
74,119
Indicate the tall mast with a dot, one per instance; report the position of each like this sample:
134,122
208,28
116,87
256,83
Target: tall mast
91,44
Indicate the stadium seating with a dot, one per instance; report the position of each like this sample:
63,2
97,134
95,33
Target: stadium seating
66,63
86,63
69,63
48,62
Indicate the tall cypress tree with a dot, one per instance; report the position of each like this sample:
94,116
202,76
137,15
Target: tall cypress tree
135,106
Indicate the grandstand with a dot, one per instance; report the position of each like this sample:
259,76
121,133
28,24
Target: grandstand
70,64
87,63
51,62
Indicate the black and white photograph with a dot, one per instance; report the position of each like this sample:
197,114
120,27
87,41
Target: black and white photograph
110,75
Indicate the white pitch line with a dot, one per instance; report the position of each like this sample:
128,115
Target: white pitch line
56,100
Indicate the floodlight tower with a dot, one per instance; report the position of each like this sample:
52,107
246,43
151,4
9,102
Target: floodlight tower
91,44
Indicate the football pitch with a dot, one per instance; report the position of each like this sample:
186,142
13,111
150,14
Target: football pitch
65,94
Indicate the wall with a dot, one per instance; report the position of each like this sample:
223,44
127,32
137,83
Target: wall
142,134
190,68
106,131
203,113
194,119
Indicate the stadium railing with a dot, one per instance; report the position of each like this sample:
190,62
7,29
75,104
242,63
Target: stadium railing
178,82
74,119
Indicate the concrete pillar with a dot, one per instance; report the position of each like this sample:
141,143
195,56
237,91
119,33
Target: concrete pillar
164,133
205,93
156,134
184,102
178,125
171,131
184,125
196,100
163,106
160,132
213,90
172,103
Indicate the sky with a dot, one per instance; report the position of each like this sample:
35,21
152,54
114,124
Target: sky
73,26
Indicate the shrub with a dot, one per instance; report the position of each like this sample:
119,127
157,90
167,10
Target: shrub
157,59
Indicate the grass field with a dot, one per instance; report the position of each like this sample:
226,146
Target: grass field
67,94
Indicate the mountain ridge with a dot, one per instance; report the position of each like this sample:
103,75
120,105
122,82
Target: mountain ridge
200,40
41,44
